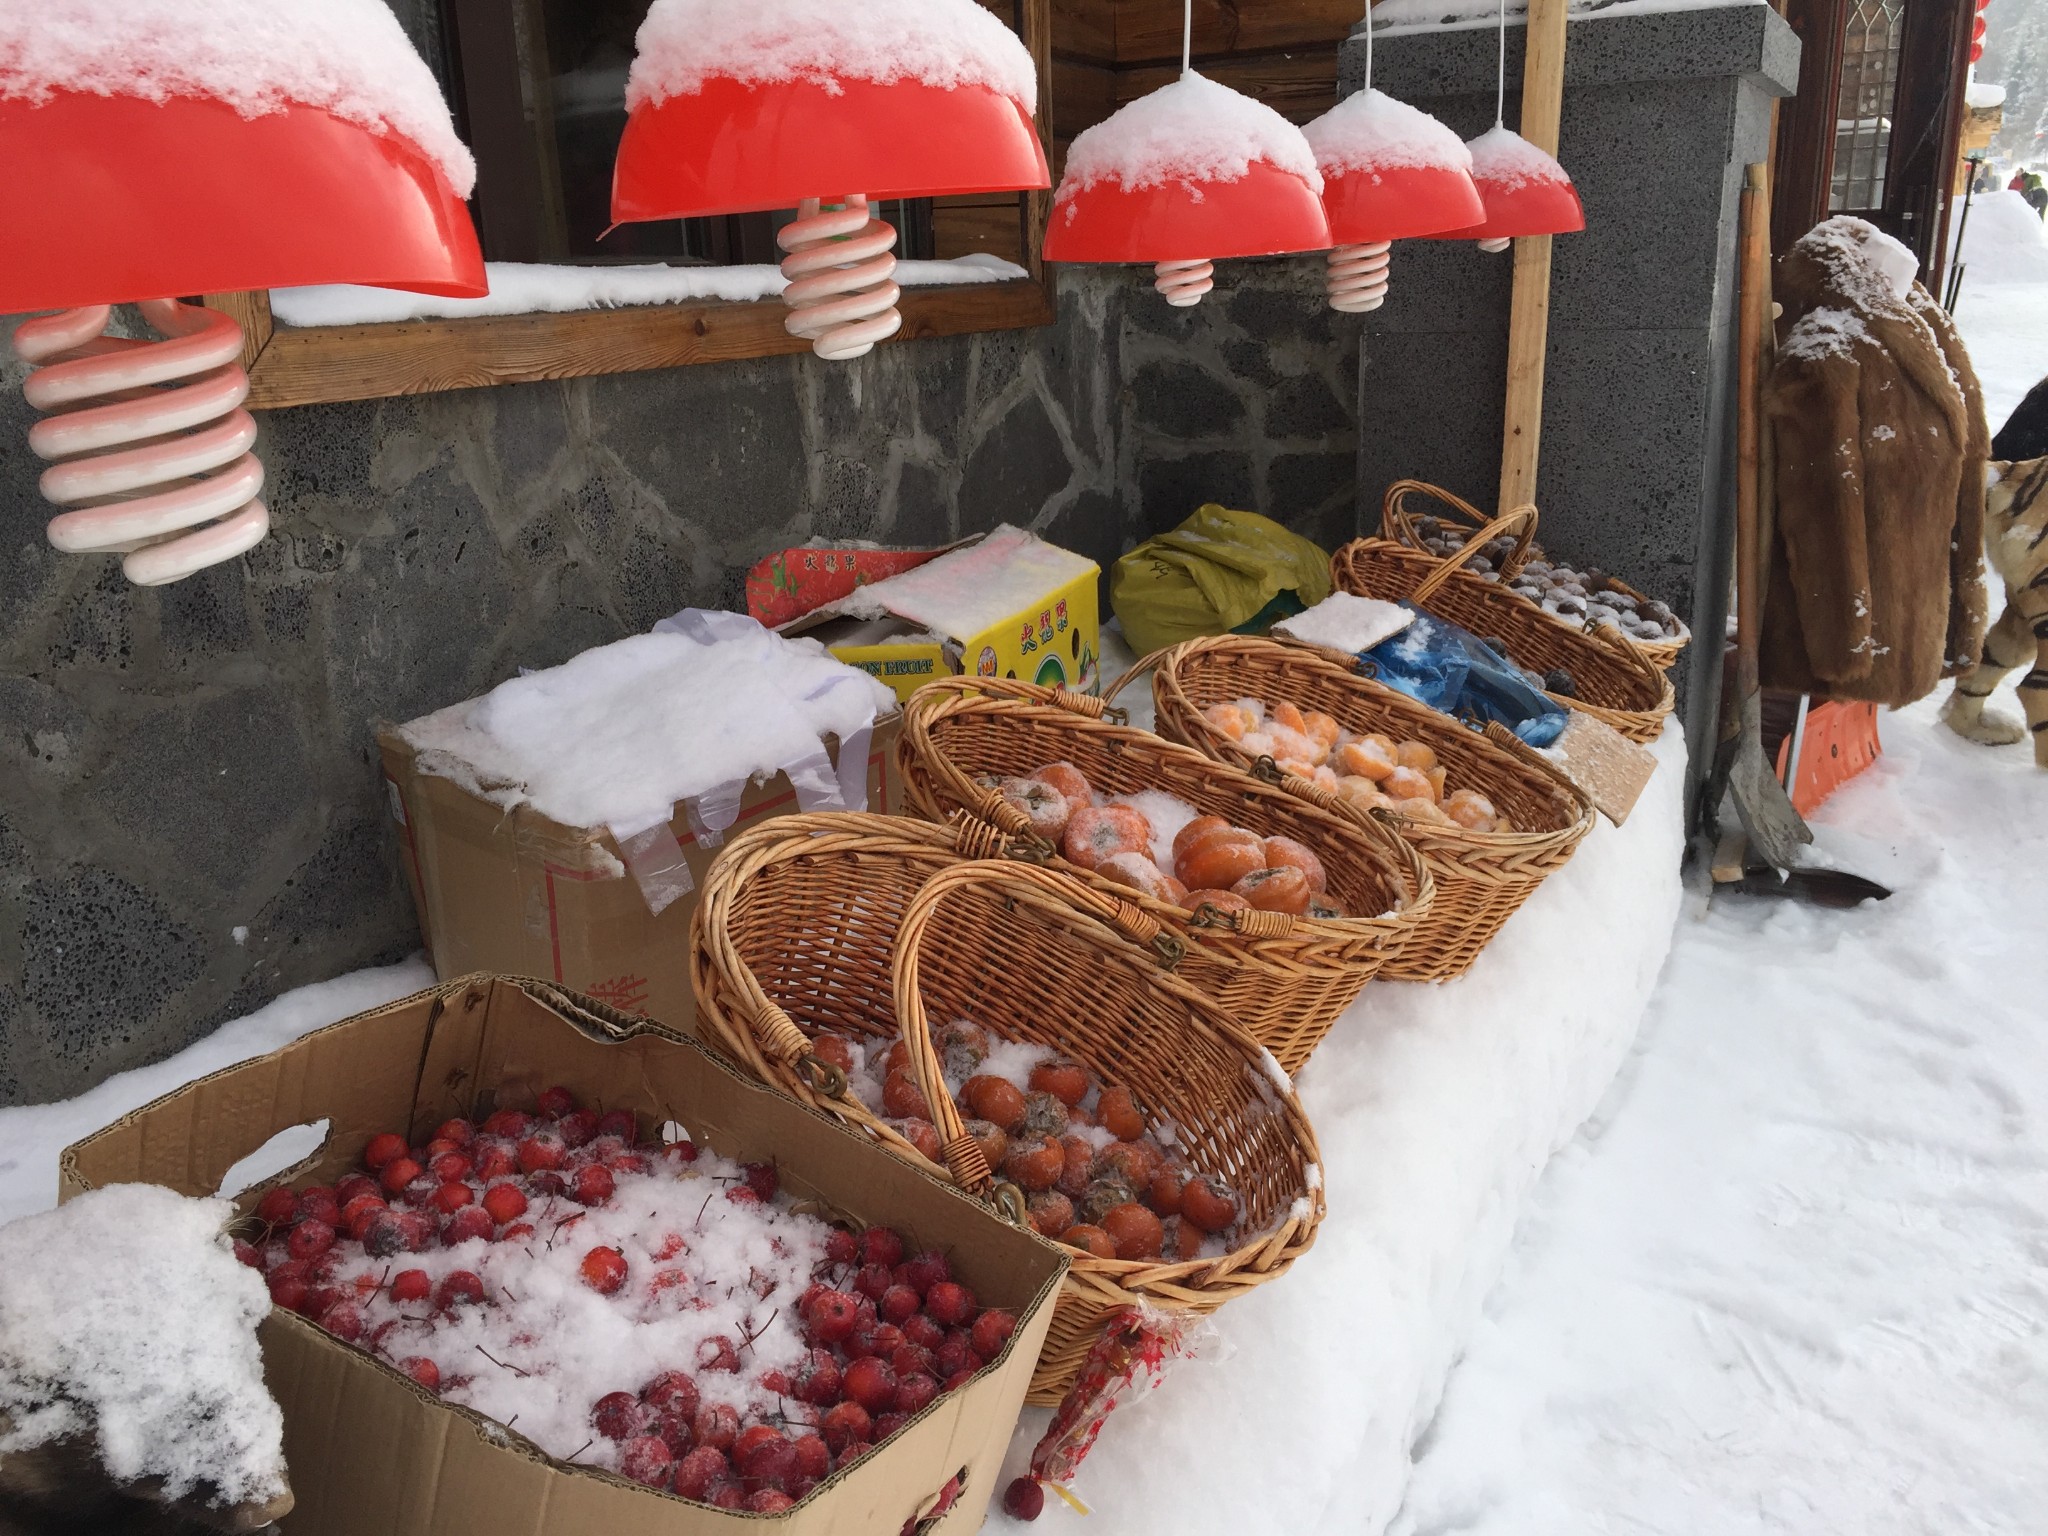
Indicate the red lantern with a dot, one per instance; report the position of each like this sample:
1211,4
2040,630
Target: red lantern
197,173
1189,173
1977,29
739,109
1390,172
1526,192
1976,53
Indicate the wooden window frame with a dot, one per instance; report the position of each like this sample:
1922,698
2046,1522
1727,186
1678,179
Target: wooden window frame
291,366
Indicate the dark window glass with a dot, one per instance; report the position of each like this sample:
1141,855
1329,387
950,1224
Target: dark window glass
1869,94
541,94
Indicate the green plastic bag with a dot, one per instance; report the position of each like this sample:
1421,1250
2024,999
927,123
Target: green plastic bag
1218,571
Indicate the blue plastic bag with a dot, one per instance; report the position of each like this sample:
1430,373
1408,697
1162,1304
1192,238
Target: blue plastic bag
1452,670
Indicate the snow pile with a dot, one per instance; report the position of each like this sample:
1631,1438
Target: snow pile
1343,622
964,591
530,288
32,1135
2002,307
1503,159
1193,130
1436,1107
944,43
1370,129
124,1318
347,56
1791,1281
617,736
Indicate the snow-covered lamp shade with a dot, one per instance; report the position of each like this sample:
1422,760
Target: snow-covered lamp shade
1390,172
1526,191
165,148
1189,173
739,106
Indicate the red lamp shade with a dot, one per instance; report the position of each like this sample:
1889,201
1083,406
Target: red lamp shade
1391,171
1265,212
134,199
1191,172
1526,191
739,147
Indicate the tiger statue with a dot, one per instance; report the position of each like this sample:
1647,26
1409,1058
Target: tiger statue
2016,538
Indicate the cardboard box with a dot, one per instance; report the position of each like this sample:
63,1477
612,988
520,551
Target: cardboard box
372,1454
1045,629
518,893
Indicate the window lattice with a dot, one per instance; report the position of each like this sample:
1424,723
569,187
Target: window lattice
1870,84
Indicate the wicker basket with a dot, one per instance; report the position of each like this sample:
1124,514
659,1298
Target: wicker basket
1285,979
1612,680
864,925
1398,521
1481,877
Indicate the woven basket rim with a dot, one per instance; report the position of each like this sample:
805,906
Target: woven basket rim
1398,862
1317,660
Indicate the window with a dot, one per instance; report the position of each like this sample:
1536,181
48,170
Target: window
540,94
1869,94
538,88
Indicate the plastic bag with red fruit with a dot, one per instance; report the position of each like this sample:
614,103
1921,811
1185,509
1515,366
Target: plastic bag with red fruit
1126,1365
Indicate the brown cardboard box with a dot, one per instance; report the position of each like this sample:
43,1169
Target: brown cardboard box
371,1454
518,893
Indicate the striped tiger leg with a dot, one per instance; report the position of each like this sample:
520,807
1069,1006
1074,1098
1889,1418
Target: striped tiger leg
2007,645
2034,686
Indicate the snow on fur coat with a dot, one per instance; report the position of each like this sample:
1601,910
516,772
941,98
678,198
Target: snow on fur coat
1875,591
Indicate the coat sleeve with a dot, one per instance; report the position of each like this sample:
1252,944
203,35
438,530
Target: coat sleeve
1813,405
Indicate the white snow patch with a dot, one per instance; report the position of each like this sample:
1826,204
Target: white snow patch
943,43
1824,332
124,1317
1193,130
534,288
259,56
1503,158
1982,96
32,1135
2002,305
965,590
618,735
1165,814
1370,129
1343,622
1790,1280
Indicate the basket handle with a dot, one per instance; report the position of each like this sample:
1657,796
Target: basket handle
1522,519
1509,742
963,1154
781,1039
1397,522
1136,667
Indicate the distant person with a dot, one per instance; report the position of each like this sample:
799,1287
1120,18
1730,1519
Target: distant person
2018,182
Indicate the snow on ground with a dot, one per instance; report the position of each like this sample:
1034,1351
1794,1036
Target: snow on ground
32,1135
2002,307
1794,1276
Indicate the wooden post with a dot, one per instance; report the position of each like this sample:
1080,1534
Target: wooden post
1529,312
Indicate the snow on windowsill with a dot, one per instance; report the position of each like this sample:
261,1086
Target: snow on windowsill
525,288
1392,18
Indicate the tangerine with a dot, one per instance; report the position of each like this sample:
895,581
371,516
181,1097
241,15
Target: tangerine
1284,889
1286,852
1102,831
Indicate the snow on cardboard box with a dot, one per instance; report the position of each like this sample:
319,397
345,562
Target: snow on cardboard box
1006,604
373,1454
559,826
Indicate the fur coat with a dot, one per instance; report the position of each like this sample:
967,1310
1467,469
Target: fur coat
1874,588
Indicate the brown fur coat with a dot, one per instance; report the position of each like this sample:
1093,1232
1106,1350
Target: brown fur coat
1881,443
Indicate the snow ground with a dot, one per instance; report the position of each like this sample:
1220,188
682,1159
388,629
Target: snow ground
2002,306
1792,1276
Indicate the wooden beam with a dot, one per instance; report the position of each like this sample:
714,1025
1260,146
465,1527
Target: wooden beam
368,362
1148,31
1299,84
1529,311
1082,95
1084,30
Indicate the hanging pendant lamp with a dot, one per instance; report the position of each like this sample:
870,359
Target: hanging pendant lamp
1189,173
1390,172
1525,189
745,106
265,143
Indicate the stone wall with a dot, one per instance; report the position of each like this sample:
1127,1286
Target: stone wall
190,813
